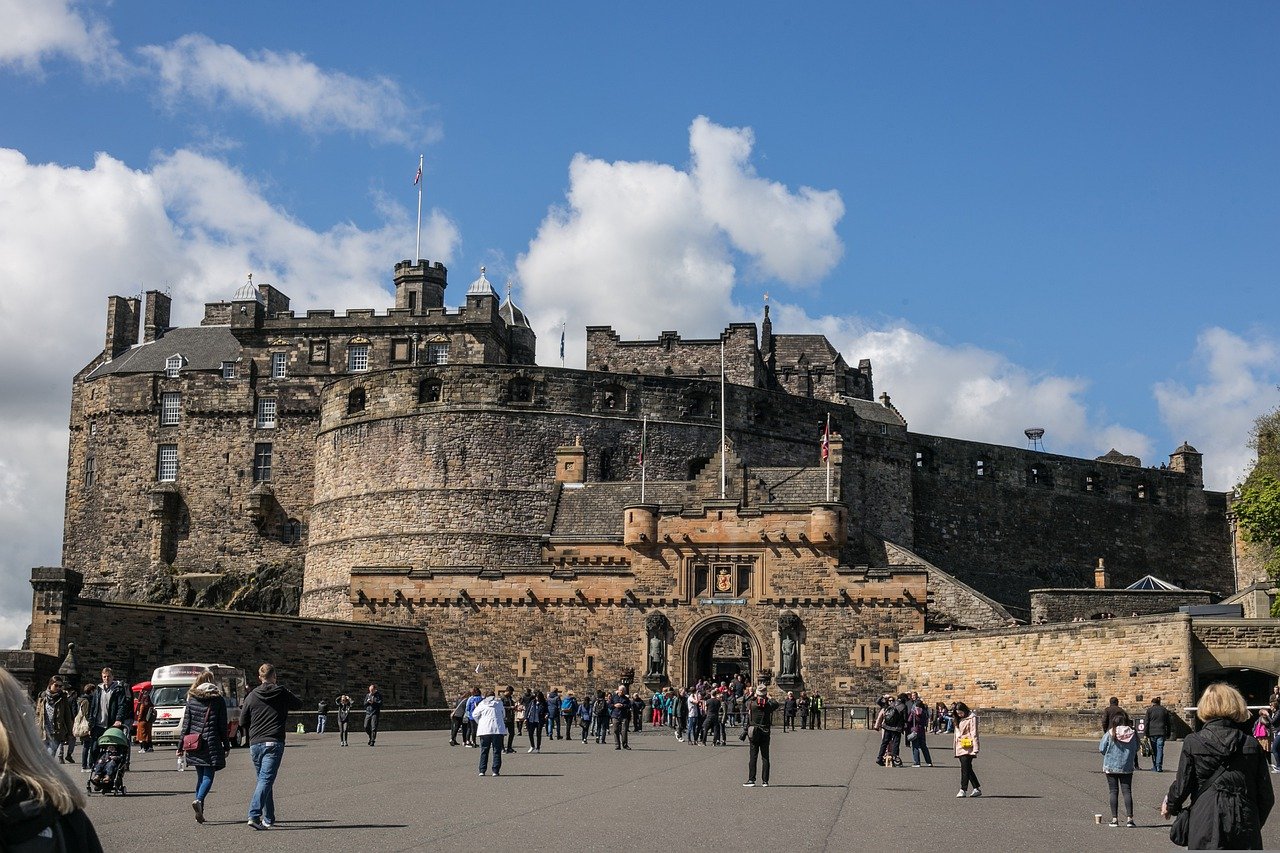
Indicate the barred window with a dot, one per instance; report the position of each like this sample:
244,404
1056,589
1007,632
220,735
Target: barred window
267,413
170,408
262,462
167,463
358,358
279,365
228,370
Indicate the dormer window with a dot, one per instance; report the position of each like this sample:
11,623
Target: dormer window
228,370
172,365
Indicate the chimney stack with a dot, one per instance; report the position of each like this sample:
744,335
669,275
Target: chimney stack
1101,579
122,325
156,318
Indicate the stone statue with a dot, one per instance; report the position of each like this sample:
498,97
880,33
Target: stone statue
789,629
656,624
788,654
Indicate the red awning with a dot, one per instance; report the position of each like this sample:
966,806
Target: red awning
142,685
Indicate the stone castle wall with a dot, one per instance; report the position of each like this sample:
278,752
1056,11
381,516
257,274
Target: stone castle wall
1068,605
1006,535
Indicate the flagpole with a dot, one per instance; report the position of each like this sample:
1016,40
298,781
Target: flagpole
722,444
826,451
644,448
417,247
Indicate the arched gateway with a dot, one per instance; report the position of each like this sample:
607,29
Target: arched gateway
720,648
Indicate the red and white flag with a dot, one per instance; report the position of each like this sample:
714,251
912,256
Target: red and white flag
826,440
417,177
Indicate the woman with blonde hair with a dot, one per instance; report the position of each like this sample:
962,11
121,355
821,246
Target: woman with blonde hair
1223,772
36,799
202,737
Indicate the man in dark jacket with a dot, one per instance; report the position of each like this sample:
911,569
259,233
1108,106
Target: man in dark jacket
372,712
620,716
1159,724
1111,714
112,706
265,716
757,731
892,725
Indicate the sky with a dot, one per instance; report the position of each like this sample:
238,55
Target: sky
1025,214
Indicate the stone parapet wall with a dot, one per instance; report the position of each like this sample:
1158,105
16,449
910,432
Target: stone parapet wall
1069,605
1061,667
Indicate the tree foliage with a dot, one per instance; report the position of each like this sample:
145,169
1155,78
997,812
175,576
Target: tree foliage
1257,506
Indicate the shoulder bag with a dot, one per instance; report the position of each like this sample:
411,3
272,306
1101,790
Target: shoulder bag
193,742
1180,831
80,728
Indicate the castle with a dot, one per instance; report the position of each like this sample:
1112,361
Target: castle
418,471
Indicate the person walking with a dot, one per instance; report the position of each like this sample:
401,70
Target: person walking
38,803
789,711
715,719
619,716
469,735
322,715
757,733
491,729
145,714
458,720
680,713
1119,748
584,715
694,731
343,708
265,716
87,702
509,717
600,708
113,706
54,718
966,748
1223,774
372,713
1109,715
535,717
553,714
1159,726
203,735
918,732
520,705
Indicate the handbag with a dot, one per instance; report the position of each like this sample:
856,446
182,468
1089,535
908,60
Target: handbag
911,736
1180,829
195,742
966,742
80,728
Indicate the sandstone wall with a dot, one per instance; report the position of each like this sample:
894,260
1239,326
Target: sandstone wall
1062,668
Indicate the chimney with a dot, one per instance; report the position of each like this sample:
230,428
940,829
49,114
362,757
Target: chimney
156,318
122,324
1101,579
571,463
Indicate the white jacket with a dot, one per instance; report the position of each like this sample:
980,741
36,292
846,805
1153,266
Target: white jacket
491,719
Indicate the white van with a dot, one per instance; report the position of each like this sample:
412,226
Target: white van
169,686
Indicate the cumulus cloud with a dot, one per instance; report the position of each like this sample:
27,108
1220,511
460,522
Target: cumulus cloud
647,246
35,32
285,87
189,223
1238,383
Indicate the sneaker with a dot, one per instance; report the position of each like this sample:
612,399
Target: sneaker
256,823
748,784
1115,823
479,774
1129,824
928,765
977,792
764,784
537,752
531,750
198,807
915,765
960,795
496,774
267,824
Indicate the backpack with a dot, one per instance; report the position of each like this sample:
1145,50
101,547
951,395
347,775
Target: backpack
568,706
893,717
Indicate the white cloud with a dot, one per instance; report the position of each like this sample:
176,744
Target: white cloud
285,87
192,224
35,31
1217,413
647,246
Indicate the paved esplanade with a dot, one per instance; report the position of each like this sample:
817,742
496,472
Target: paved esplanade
414,792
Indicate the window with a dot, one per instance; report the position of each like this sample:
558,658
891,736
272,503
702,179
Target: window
521,390
262,462
1033,476
228,370
355,401
358,358
429,391
981,469
413,302
279,365
167,463
400,350
1140,492
291,533
267,413
919,458
437,353
701,580
1090,482
172,365
170,408
90,472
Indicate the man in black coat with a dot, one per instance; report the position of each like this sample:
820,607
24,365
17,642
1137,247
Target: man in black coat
1159,726
1111,714
265,716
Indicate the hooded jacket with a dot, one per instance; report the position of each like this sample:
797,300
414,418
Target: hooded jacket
1230,815
265,713
1119,752
23,819
59,707
489,716
206,715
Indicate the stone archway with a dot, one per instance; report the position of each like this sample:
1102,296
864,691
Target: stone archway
1253,683
720,647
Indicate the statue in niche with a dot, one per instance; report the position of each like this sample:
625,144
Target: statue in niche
656,626
788,654
789,629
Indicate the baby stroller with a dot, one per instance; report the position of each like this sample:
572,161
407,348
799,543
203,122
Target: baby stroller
110,760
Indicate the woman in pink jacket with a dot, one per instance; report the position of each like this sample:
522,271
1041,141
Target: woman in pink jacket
966,740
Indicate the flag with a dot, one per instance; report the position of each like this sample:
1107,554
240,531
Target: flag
644,439
826,440
562,343
417,177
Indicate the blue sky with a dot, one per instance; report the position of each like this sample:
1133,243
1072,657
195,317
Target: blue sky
1062,215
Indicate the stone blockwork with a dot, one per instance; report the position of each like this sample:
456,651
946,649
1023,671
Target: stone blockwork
952,604
1071,605
1065,667
1231,644
316,658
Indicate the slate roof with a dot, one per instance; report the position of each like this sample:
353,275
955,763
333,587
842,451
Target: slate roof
791,485
202,348
815,349
874,412
595,509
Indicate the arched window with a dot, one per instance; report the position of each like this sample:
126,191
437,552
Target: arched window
355,401
429,390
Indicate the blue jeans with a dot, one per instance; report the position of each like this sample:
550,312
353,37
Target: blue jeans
917,746
204,781
1275,751
320,721
1157,751
493,742
266,760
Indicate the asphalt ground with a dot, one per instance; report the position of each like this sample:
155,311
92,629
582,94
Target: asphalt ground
415,792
